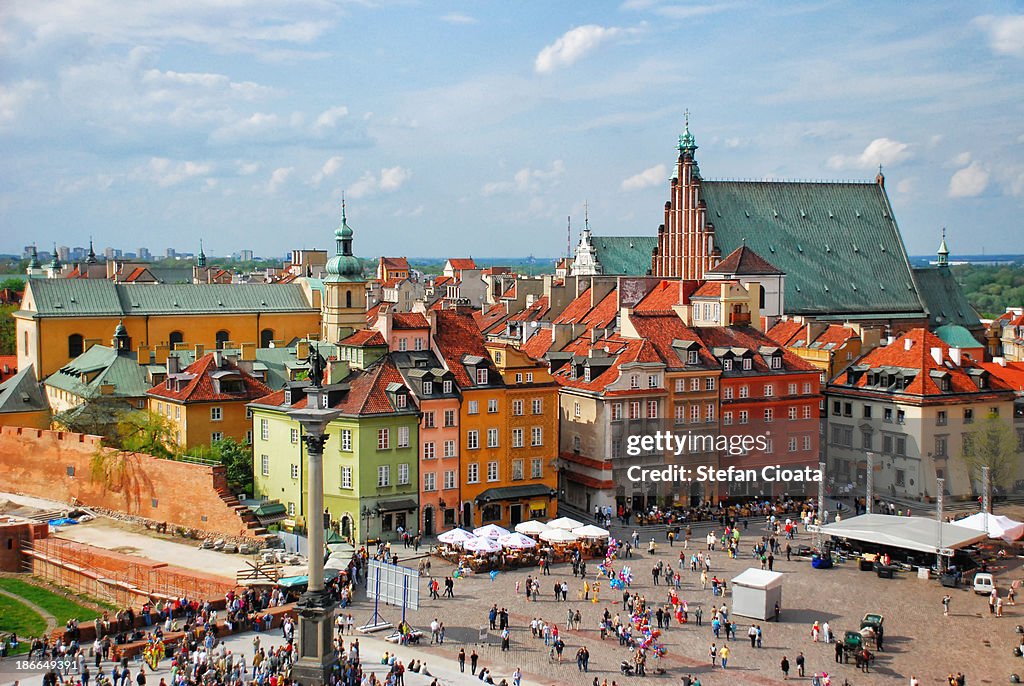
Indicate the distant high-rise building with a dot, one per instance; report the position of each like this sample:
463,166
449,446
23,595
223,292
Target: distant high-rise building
108,253
144,254
245,255
77,254
171,253
64,253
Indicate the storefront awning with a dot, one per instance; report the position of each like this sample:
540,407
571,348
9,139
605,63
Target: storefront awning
396,505
515,492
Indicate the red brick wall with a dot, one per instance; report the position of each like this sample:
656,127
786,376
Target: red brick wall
59,466
12,535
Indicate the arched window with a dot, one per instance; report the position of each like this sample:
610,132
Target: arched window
348,298
75,345
222,338
266,336
760,289
175,338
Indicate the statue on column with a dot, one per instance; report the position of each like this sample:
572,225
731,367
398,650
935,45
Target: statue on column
317,364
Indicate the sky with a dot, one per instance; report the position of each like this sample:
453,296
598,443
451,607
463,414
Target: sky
479,128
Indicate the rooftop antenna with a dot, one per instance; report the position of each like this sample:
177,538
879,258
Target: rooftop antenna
568,236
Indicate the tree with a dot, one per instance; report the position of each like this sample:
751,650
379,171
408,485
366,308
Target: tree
993,445
236,458
7,330
15,283
97,416
145,431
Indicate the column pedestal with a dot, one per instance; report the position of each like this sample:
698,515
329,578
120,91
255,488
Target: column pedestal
316,660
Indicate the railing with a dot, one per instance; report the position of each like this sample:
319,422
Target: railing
197,460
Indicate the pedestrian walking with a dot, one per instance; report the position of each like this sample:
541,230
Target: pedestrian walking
713,654
800,664
784,666
462,659
945,605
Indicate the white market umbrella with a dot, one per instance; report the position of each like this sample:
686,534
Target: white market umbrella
456,537
567,523
591,531
532,527
482,545
558,536
491,531
517,541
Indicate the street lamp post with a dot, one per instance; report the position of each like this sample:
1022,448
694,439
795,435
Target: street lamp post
940,559
869,494
316,659
819,537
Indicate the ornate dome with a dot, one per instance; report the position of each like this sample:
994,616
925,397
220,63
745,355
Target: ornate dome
343,266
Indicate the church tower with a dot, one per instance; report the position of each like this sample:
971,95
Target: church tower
686,241
344,304
942,254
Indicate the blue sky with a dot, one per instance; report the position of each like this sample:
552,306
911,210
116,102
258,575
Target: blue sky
477,127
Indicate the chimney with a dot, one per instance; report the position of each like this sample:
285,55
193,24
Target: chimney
173,364
218,358
954,354
200,350
160,353
908,343
142,354
302,350
1001,361
248,352
937,355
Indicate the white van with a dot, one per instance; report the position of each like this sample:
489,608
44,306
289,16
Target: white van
983,583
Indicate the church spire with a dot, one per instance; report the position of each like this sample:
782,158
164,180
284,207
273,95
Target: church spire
687,144
201,260
55,264
943,251
91,258
33,263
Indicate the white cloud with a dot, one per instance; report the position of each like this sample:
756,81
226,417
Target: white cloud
1005,34
961,160
248,168
572,46
390,179
647,178
527,180
458,18
969,182
165,172
329,167
328,119
15,97
278,178
883,151
906,186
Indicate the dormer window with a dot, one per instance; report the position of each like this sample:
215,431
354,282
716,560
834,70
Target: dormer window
586,374
692,357
400,400
287,396
747,364
481,376
776,361
447,386
727,365
428,387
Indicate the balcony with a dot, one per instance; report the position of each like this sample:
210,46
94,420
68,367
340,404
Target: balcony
739,319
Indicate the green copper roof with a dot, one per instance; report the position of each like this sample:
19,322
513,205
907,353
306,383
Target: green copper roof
625,254
944,299
96,297
101,365
838,243
956,336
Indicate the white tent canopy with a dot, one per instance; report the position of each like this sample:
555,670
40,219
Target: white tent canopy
910,533
567,523
517,541
482,545
456,537
490,531
558,536
591,531
532,527
997,526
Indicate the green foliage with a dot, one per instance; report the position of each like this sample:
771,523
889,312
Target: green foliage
8,335
993,445
236,457
144,431
60,607
98,416
15,283
992,288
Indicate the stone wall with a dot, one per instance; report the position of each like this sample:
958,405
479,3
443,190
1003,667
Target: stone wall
75,469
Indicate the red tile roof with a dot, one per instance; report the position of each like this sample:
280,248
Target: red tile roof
751,339
442,281
203,387
8,367
665,295
396,263
538,344
364,337
794,335
409,320
457,335
462,263
489,319
661,330
367,394
537,310
919,358
371,314
619,350
1012,374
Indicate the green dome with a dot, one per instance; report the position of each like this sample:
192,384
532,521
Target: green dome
344,266
120,330
343,231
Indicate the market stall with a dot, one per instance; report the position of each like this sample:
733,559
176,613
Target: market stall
756,592
996,526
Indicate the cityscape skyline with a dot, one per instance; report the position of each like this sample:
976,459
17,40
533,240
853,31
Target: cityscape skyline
186,120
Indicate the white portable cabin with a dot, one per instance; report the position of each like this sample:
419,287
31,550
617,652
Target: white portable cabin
755,592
